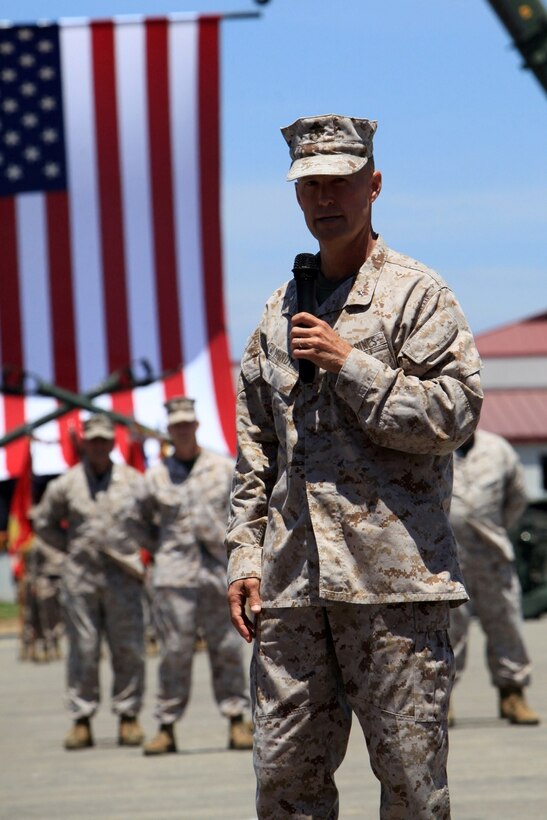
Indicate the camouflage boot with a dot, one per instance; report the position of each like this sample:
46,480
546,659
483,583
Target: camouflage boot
241,733
514,708
80,736
129,732
163,742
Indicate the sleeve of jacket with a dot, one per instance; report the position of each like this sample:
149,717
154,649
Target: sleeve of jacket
142,518
255,469
210,512
51,511
430,402
515,498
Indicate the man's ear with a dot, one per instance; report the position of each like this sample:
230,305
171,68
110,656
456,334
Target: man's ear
297,192
375,185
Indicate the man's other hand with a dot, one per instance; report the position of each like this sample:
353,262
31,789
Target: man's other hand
240,593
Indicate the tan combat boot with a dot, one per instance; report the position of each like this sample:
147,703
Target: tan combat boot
163,743
129,732
80,736
241,733
514,708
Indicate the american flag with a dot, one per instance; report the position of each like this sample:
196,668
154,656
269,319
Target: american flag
109,218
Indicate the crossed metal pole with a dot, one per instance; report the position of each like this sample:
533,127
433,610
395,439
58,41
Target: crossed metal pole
84,401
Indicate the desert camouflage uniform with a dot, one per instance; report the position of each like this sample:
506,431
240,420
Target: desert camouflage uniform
43,619
180,516
489,496
340,506
100,587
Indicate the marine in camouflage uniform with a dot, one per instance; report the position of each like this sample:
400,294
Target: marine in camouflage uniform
43,621
82,512
488,498
180,517
339,541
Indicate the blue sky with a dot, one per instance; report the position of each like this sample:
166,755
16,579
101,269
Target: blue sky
460,141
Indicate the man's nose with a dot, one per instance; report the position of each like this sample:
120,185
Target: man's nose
326,194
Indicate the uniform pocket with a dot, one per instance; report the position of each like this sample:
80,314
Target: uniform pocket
411,671
281,378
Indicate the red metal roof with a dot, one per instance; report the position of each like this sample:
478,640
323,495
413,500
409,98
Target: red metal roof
525,338
517,415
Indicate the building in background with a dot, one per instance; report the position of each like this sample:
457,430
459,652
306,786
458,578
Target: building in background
514,378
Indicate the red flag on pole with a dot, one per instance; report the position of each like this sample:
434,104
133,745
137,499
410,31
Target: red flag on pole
20,533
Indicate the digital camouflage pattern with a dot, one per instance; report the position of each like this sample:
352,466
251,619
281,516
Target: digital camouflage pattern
84,516
342,487
178,513
42,616
94,511
392,666
180,516
178,614
488,498
329,144
341,498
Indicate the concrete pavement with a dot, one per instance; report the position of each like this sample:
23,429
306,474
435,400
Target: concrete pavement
496,771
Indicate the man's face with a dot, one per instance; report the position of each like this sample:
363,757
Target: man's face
183,435
97,451
339,207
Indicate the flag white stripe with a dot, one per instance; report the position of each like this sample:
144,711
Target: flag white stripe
34,291
47,453
148,406
78,98
135,179
183,67
183,44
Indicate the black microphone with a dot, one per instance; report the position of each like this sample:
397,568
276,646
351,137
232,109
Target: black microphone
305,269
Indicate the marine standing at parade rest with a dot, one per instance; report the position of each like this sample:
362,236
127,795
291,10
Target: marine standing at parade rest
180,516
488,498
82,513
339,540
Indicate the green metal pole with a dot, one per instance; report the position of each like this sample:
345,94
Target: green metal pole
72,401
527,25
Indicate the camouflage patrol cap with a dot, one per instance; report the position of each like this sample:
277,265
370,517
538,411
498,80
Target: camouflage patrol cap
328,144
180,408
98,426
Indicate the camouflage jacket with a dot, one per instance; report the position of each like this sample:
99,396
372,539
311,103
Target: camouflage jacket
84,517
342,487
489,495
178,514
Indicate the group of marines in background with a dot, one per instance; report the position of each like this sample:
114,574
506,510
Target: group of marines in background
85,578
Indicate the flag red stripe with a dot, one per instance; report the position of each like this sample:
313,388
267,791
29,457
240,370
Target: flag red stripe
10,314
61,290
157,77
108,171
69,434
209,149
123,403
173,385
14,416
10,328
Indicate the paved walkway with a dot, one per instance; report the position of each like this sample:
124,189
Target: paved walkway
496,771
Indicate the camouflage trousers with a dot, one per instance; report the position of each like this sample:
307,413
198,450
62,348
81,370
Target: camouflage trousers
392,666
178,614
42,614
113,612
494,591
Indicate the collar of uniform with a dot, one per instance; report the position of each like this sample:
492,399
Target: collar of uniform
368,275
361,290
